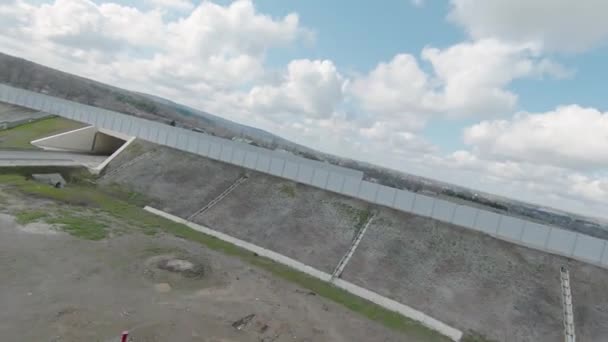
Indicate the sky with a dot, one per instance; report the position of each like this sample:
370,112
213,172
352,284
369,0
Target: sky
502,96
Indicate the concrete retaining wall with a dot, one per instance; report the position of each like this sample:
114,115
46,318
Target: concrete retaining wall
325,176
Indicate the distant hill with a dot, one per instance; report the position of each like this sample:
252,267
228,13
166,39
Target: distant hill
24,74
21,73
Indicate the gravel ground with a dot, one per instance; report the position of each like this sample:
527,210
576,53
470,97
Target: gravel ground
59,288
177,182
474,281
304,223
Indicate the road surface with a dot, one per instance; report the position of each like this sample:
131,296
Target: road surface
44,158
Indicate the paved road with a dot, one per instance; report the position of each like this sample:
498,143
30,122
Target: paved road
44,158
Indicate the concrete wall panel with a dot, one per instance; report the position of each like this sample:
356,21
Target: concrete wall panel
162,136
320,177
335,182
465,216
351,186
226,154
171,137
589,248
305,174
605,255
276,166
182,140
404,201
368,191
386,195
423,205
535,234
153,132
561,241
263,164
115,124
215,150
511,228
238,156
443,210
203,147
251,159
193,143
487,222
291,170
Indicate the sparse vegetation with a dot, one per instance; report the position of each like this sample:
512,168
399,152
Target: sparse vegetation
471,336
20,137
79,226
360,216
288,190
146,106
25,217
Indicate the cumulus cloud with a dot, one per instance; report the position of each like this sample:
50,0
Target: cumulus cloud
180,5
569,136
313,88
559,25
221,46
467,79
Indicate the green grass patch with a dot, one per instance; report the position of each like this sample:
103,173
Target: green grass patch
289,190
359,216
19,137
472,336
28,216
84,227
80,226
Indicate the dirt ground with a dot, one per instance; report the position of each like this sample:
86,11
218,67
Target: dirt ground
56,287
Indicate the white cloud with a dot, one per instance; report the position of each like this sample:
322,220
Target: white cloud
561,25
467,79
312,88
180,5
213,45
570,136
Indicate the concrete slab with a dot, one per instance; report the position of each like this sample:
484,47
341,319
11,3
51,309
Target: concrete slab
443,210
404,200
589,248
320,178
263,164
423,205
291,170
305,174
368,191
351,186
386,195
335,182
465,216
511,228
487,222
561,241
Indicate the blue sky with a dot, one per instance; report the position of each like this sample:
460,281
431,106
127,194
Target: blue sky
504,96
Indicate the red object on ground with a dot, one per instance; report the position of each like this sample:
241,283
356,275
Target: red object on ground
125,335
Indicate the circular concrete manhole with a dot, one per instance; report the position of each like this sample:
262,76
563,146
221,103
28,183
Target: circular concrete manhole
184,267
173,269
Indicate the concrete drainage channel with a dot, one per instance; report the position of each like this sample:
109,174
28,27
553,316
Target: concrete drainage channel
387,303
346,258
221,196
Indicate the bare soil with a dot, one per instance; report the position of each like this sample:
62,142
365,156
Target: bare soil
56,287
